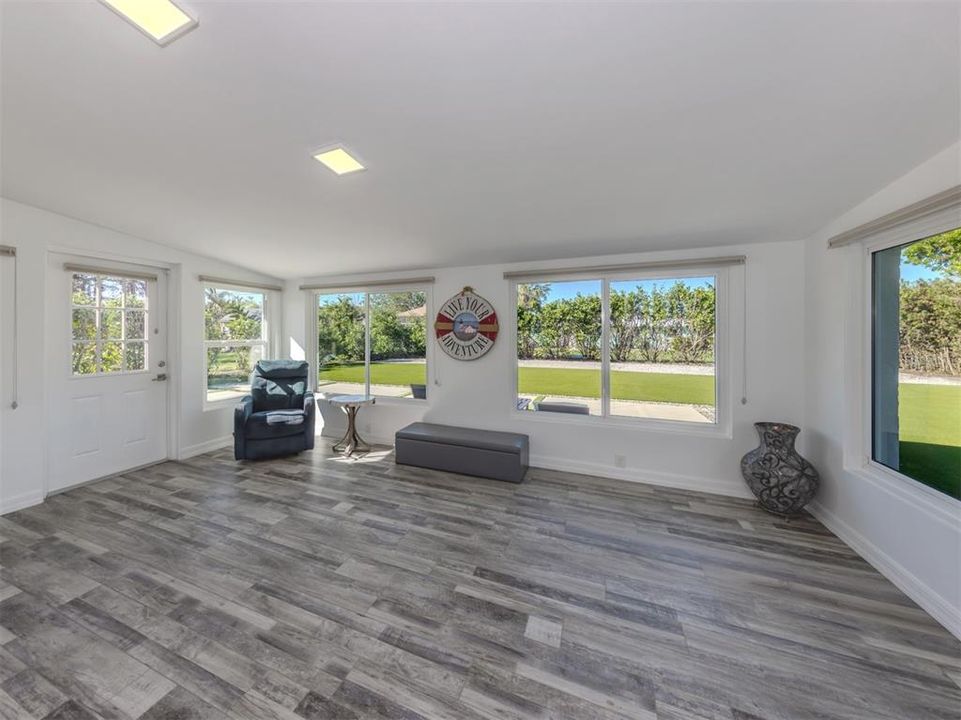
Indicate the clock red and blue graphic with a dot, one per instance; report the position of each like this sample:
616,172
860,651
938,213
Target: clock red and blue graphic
466,326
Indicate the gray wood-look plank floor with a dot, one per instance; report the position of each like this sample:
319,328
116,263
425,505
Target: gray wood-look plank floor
318,587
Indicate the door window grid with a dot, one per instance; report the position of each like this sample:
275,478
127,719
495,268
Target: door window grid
109,320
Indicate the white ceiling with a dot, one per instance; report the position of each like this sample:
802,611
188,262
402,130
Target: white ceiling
493,132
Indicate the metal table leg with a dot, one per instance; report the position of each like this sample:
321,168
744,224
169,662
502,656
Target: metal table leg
352,441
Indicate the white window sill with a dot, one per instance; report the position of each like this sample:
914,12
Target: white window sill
907,489
222,403
711,430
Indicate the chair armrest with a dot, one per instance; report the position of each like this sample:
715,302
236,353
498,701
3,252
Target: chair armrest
243,410
310,410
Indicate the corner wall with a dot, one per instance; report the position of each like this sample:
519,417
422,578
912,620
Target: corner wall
912,536
480,394
35,232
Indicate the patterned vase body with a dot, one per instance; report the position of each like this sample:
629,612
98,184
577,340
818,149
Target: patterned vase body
782,480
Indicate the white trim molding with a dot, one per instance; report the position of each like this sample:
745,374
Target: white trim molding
21,501
715,486
931,602
209,446
946,201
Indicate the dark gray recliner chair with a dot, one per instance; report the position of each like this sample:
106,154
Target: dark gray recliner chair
277,418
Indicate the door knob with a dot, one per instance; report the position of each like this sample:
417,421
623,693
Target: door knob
161,377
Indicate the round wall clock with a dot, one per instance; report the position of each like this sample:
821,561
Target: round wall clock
466,326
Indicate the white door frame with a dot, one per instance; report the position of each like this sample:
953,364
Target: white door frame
172,274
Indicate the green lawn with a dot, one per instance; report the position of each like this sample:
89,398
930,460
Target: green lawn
930,417
653,387
625,385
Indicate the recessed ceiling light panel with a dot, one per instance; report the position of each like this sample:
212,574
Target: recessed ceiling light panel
339,160
160,20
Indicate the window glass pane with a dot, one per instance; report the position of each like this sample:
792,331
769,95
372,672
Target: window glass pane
134,326
134,293
916,360
111,292
85,324
111,357
84,291
111,324
398,344
558,347
228,369
233,315
662,349
340,343
134,356
84,358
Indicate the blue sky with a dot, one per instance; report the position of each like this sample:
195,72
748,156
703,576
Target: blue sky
569,289
917,272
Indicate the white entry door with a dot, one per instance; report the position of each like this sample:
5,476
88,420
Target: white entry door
108,361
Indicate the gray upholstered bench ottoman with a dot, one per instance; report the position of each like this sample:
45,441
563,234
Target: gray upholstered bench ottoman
485,453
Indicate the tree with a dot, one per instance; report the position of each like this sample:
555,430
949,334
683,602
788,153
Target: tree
340,330
940,253
584,320
930,326
530,299
654,311
626,323
691,324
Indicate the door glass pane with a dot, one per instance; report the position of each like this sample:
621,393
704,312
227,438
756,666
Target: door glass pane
134,293
84,358
398,344
559,347
341,327
134,356
916,360
111,292
662,349
111,357
111,324
134,325
84,289
84,324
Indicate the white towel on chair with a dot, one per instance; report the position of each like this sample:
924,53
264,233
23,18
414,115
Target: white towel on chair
285,417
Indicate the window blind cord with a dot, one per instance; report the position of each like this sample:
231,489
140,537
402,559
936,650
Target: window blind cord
744,339
16,339
11,252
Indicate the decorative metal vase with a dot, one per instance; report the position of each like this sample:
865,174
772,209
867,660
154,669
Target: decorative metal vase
783,481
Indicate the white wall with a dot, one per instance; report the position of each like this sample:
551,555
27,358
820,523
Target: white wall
479,393
910,534
35,233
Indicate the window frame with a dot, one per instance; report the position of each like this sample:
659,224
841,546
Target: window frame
368,290
98,341
723,381
266,332
859,452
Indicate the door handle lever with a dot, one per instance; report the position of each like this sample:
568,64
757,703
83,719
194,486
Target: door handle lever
161,377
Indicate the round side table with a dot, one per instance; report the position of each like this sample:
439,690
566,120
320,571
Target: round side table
350,404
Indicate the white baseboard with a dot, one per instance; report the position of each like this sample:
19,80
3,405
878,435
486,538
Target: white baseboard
651,477
335,433
931,602
21,501
205,447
